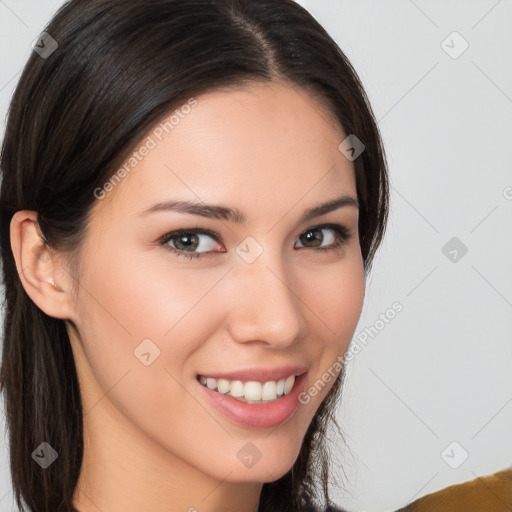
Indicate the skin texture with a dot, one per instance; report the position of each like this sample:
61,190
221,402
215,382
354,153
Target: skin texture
152,441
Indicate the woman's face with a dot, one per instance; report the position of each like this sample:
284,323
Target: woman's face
261,296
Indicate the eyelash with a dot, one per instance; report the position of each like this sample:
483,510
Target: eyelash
341,231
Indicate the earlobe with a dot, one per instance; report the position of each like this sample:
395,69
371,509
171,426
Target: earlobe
37,267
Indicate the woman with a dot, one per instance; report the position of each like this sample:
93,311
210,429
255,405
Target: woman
192,196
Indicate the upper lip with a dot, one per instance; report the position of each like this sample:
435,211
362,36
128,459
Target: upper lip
259,374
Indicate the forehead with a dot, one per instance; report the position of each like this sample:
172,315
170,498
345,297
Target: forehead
264,142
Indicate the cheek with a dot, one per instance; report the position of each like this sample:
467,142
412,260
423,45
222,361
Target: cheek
145,318
136,299
338,308
338,300
131,308
350,303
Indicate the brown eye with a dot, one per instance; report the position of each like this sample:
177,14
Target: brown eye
190,243
337,235
313,237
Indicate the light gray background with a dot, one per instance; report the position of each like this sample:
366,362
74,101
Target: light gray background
438,372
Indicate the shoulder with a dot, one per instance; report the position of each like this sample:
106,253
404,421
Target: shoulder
489,492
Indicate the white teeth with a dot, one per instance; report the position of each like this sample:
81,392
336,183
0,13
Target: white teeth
269,391
236,388
288,384
222,386
251,391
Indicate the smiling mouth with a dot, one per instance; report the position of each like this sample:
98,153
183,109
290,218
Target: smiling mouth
251,392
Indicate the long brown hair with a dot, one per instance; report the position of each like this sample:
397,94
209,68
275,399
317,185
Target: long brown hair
120,65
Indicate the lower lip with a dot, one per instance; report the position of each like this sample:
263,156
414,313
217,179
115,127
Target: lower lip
257,415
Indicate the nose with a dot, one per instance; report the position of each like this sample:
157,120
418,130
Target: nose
265,307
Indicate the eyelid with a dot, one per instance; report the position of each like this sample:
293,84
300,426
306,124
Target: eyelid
342,231
195,230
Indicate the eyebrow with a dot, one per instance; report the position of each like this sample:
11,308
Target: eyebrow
234,215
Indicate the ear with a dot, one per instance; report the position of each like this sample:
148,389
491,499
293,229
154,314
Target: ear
41,272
